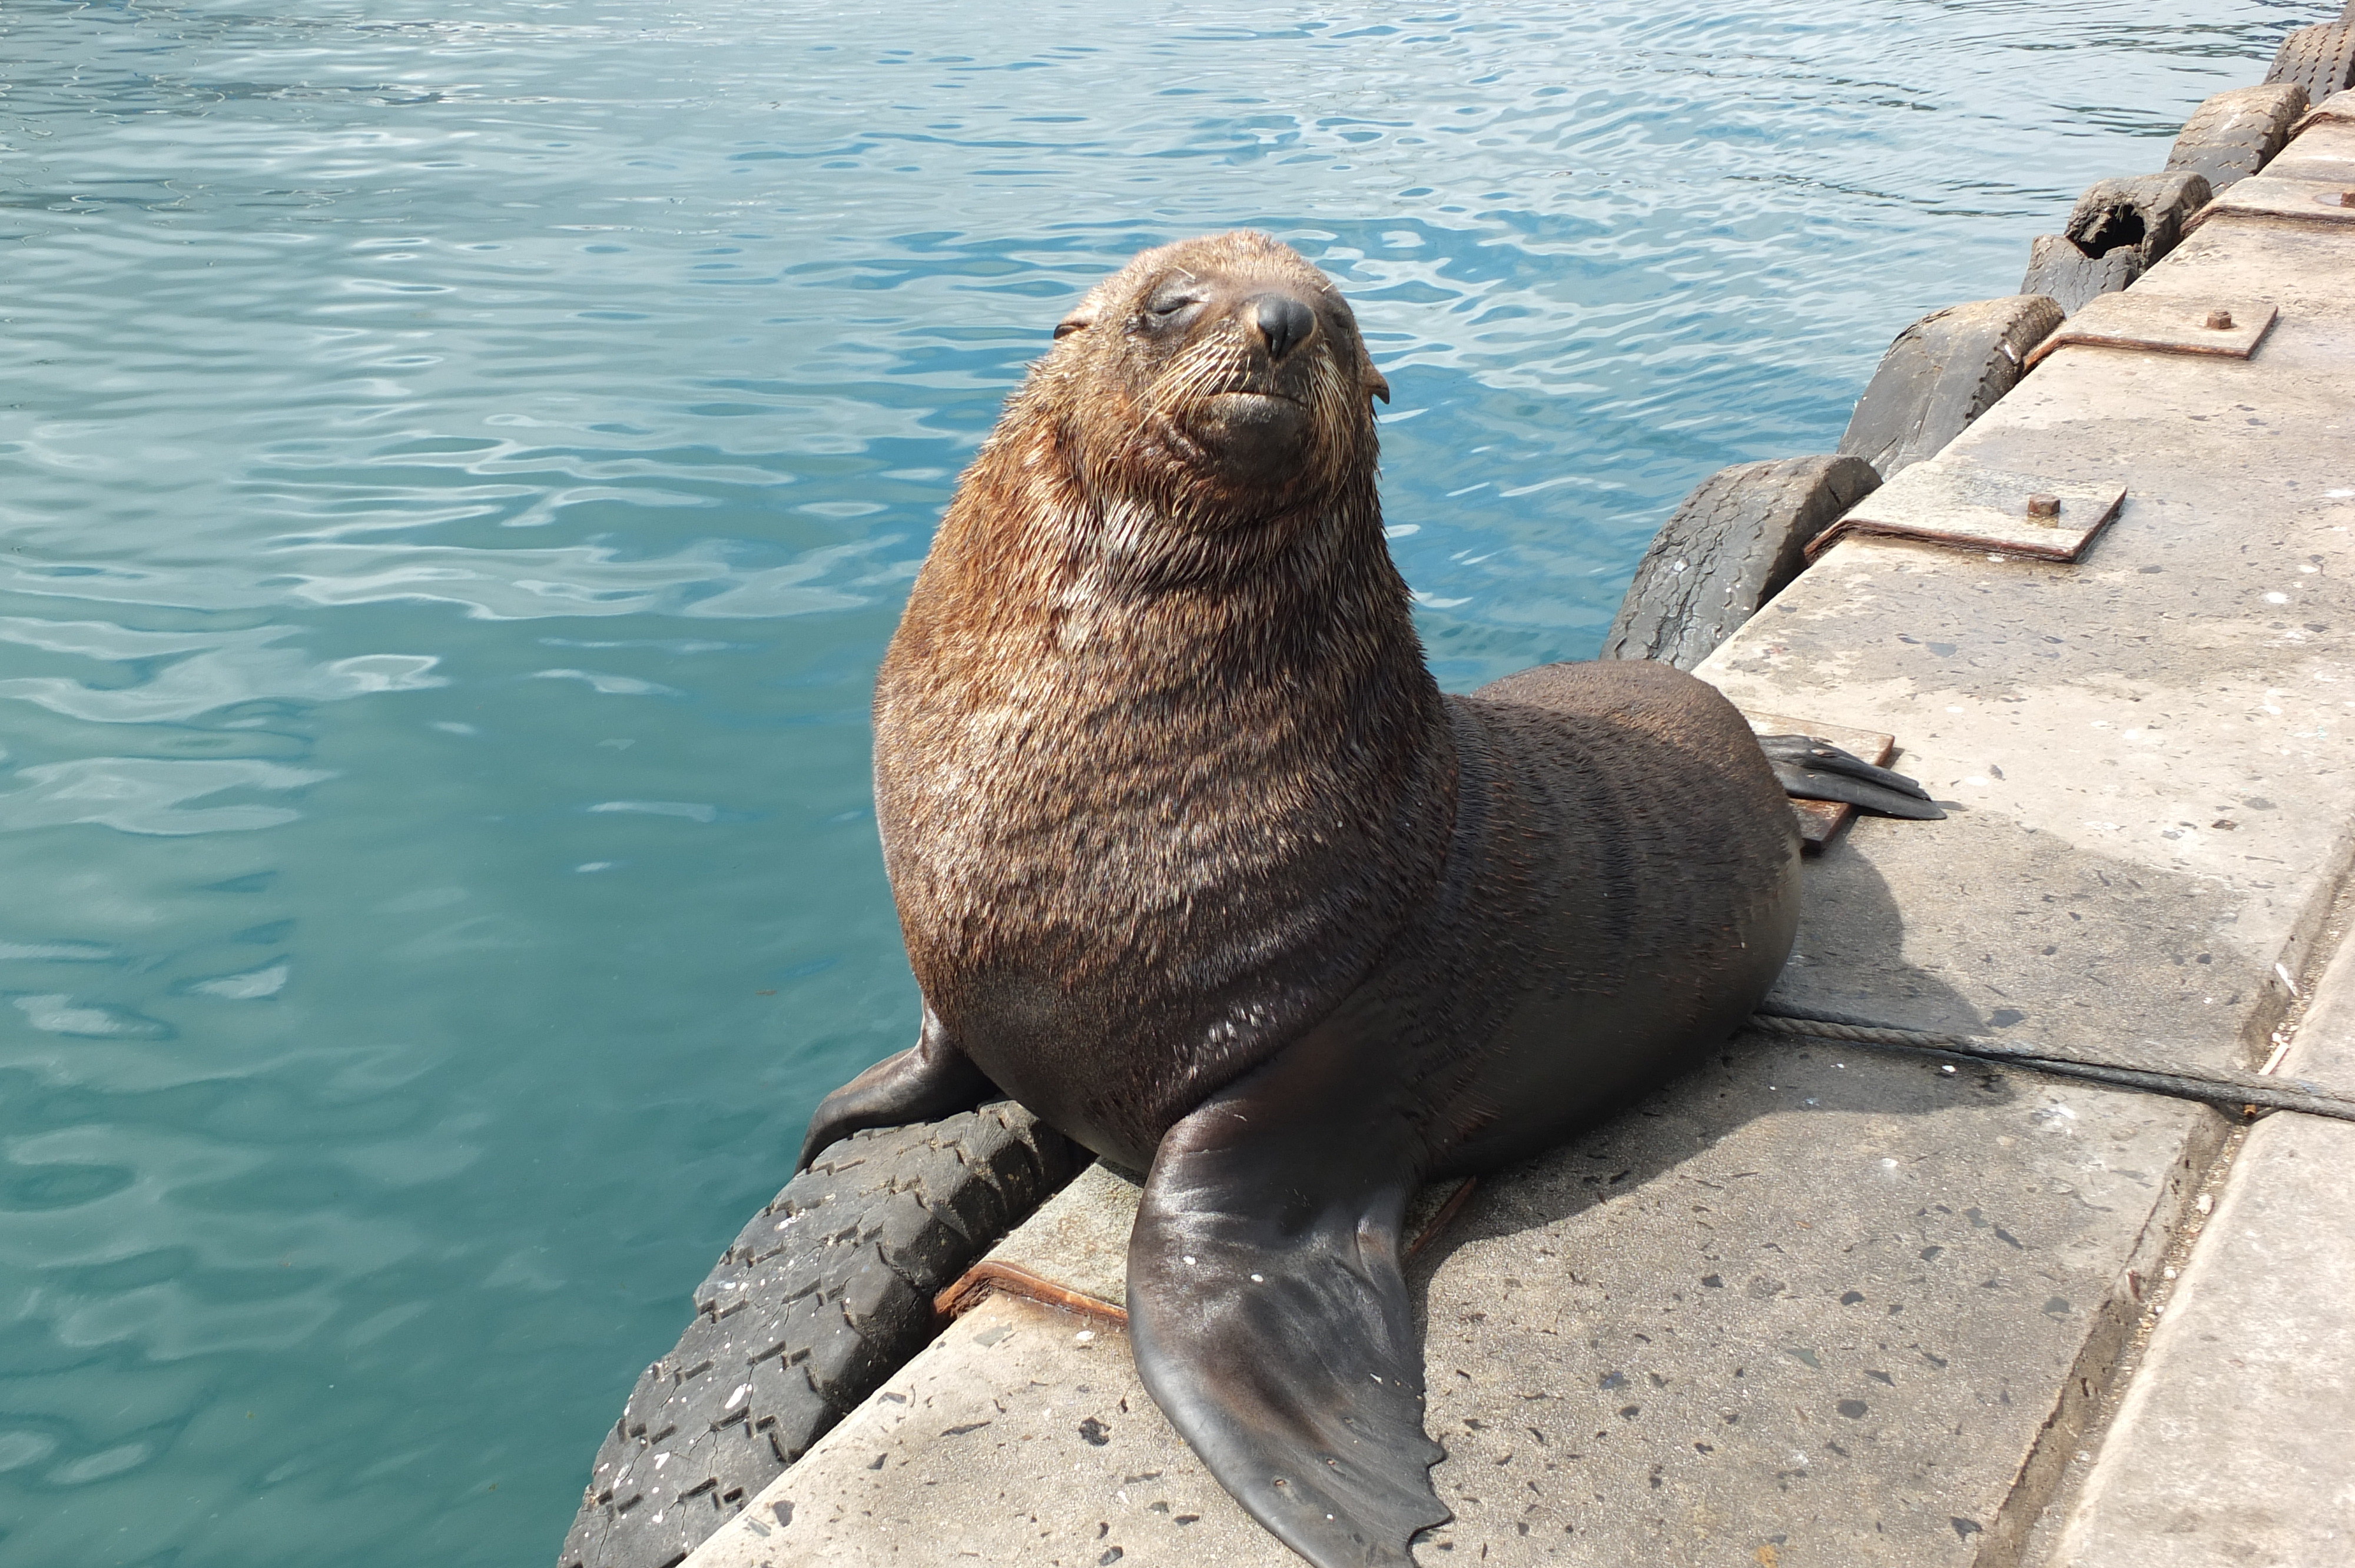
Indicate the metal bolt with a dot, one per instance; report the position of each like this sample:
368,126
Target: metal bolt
2220,321
2044,508
2337,199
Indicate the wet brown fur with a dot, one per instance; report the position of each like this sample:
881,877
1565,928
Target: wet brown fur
1153,727
1194,860
1162,780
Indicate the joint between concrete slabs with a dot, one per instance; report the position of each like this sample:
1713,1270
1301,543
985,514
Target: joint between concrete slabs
2070,1449
2201,1467
2090,1392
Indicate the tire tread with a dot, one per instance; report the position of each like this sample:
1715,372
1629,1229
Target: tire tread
2233,134
1942,372
820,1297
1732,545
2320,58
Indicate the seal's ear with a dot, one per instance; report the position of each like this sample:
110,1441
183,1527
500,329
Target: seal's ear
1091,307
1376,383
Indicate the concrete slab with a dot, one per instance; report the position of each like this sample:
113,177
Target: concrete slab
1076,1246
2148,750
1664,1317
1674,1338
1022,1435
1808,1307
1819,1306
2236,1443
2326,150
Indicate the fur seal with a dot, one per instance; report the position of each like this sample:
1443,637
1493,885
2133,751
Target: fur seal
1194,860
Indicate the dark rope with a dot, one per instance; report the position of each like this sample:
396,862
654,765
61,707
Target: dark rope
2217,1086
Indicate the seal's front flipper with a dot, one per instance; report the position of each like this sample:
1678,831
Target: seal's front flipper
1816,769
1268,1314
930,1080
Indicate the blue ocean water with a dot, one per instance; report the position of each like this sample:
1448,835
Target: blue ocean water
460,465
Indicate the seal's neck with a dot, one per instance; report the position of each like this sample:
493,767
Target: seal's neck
1174,621
1143,804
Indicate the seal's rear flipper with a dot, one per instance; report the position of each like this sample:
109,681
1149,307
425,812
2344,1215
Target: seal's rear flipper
930,1080
1269,1317
1815,769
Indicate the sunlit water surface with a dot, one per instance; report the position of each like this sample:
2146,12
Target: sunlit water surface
460,465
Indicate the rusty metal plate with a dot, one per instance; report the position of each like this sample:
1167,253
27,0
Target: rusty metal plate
2163,323
1952,502
2270,196
1820,820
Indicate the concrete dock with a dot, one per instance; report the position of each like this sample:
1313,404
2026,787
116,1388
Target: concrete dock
1846,1305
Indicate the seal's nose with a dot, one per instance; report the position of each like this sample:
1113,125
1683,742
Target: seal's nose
1285,321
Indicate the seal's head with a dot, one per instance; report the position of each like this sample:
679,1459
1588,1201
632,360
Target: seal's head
1224,378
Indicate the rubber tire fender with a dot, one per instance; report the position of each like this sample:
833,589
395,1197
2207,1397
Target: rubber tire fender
2145,211
2233,134
2320,58
1942,372
1735,543
825,1295
2119,227
2070,277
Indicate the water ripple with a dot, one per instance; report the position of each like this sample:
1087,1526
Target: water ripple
461,464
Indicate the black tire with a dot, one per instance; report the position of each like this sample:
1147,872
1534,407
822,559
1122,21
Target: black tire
2319,58
2070,277
823,1295
2233,134
1733,545
1942,372
2146,212
2118,229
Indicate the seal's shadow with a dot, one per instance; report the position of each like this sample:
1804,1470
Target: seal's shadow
1848,958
